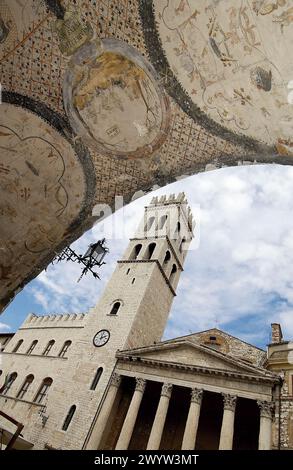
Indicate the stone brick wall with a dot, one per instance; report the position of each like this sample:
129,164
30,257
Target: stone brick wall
280,361
286,416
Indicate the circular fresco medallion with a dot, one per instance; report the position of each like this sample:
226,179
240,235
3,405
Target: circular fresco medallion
113,100
227,63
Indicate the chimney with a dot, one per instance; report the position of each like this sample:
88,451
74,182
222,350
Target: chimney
277,335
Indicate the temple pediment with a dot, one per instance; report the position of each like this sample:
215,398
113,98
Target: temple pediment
187,353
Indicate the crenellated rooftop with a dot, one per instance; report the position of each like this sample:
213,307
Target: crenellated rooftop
171,199
68,320
175,199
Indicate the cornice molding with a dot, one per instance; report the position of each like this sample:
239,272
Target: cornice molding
33,355
31,403
198,369
174,344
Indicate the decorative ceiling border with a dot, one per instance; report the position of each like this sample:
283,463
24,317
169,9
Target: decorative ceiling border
160,62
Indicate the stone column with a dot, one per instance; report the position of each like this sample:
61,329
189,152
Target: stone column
227,429
265,425
99,427
160,418
129,422
191,426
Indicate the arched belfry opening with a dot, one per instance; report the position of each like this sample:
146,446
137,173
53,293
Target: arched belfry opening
150,251
173,273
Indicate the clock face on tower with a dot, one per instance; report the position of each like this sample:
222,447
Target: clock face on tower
101,338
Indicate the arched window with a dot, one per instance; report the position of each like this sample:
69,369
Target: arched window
173,272
64,348
167,257
19,343
163,220
48,347
25,386
8,382
43,390
68,418
149,224
181,247
150,250
32,346
115,308
96,378
136,251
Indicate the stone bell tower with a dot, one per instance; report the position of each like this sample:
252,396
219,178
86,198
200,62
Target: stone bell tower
135,305
136,302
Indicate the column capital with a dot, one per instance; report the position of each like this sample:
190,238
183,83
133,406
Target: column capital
266,408
116,380
166,390
140,384
196,395
229,401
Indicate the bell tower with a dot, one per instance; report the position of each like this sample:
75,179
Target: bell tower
136,303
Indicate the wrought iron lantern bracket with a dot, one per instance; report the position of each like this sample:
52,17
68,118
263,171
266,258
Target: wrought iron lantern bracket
93,257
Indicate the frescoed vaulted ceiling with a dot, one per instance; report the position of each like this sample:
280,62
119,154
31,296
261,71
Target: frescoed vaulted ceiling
112,98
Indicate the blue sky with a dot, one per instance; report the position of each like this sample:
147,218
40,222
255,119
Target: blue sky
238,274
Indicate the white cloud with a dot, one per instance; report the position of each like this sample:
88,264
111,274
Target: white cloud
4,326
286,319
